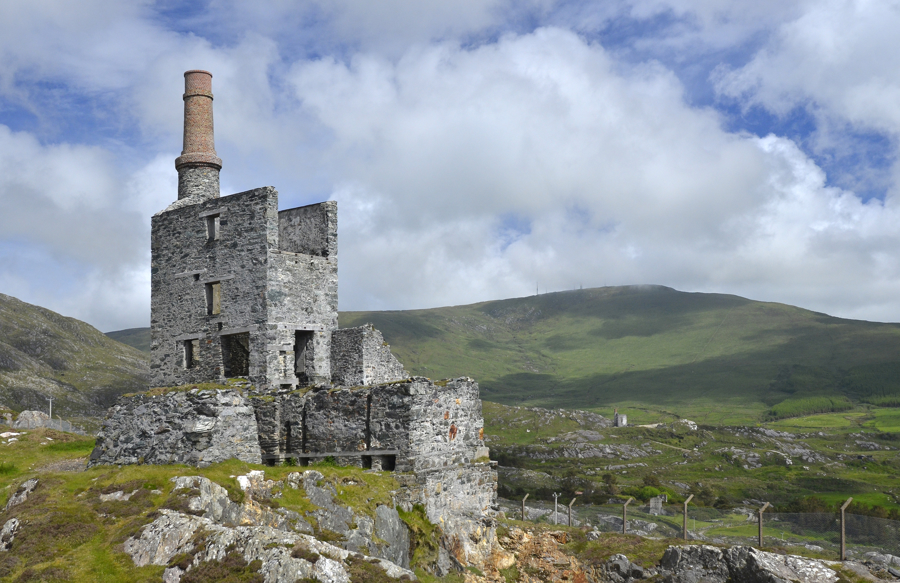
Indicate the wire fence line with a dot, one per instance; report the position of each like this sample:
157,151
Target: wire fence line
819,532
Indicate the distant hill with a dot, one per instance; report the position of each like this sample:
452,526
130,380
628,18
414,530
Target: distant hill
135,337
716,358
44,354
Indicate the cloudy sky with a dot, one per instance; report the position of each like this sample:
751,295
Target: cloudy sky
476,148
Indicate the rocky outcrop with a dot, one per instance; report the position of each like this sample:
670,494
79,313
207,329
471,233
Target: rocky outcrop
22,492
690,564
284,556
8,533
208,525
580,451
195,427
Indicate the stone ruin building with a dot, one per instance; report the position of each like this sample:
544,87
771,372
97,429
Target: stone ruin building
246,295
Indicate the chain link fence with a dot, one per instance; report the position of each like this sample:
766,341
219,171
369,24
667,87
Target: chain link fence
817,532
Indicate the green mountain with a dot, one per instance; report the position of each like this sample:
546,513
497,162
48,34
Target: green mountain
649,350
44,354
135,337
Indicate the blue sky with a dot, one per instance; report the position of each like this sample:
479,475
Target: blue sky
475,148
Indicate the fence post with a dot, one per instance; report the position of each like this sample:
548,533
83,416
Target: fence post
523,507
625,515
570,510
555,509
844,530
761,510
684,528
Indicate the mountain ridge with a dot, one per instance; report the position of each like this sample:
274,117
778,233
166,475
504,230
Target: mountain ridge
651,349
44,354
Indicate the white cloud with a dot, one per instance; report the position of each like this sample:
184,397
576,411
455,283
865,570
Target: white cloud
464,171
839,59
620,181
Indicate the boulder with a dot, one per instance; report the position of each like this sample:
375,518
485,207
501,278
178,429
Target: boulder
22,492
695,563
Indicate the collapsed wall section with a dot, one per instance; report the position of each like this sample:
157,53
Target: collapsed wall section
310,229
360,356
302,296
196,427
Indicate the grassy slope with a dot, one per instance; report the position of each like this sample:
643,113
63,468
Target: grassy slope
45,354
68,530
715,358
848,469
138,338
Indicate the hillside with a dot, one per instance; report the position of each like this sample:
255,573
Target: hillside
712,357
44,354
650,350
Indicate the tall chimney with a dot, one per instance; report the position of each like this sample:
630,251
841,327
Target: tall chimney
198,166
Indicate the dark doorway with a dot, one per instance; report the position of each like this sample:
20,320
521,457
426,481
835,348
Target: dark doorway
302,355
236,354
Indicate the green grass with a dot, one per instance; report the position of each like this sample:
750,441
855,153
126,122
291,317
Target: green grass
68,530
693,462
809,406
885,420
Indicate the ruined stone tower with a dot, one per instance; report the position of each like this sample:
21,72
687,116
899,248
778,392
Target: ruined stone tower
240,289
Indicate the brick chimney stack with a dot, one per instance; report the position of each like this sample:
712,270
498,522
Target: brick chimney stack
198,166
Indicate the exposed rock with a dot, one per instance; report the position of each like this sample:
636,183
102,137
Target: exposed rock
539,559
580,451
870,445
31,420
22,493
8,533
691,564
119,496
618,569
211,501
173,534
580,436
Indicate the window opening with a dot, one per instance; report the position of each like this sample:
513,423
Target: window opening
236,354
388,463
191,353
212,228
213,298
302,354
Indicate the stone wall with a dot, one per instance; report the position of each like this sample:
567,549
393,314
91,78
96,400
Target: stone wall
336,421
196,427
446,425
186,262
310,230
360,356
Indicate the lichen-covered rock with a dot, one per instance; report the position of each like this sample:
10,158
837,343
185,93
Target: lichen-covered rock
691,564
195,427
173,534
22,492
211,501
8,533
385,536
